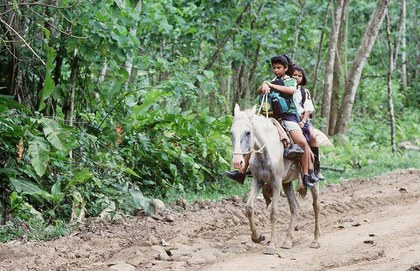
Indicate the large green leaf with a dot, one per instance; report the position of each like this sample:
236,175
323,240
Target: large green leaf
79,177
149,99
53,136
49,85
21,185
27,187
127,170
39,153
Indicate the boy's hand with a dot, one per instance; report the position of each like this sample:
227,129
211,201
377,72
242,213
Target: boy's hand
265,88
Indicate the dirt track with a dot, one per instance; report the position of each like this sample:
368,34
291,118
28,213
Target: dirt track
367,224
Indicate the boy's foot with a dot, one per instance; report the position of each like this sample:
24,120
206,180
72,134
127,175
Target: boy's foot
312,177
293,153
236,176
307,183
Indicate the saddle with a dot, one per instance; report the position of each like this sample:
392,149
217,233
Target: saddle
291,151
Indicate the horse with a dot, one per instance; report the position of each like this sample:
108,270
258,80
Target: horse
256,135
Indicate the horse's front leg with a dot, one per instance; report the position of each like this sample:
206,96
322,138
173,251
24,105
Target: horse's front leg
271,249
249,209
293,206
315,205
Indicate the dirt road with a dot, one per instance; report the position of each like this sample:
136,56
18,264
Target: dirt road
367,224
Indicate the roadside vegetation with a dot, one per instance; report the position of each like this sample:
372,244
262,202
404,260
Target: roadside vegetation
107,105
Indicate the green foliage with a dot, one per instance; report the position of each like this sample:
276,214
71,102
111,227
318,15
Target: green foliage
32,230
174,148
366,150
161,131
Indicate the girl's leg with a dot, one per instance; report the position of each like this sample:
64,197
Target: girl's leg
315,150
300,139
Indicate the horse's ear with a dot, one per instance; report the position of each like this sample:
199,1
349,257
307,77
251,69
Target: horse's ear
253,111
236,110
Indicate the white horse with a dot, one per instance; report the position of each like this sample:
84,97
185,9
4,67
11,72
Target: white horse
258,136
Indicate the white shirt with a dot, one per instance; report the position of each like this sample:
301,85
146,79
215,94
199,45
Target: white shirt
308,106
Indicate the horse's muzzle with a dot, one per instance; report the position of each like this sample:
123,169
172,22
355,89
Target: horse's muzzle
237,161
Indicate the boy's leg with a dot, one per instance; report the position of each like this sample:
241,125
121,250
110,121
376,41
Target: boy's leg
239,175
291,151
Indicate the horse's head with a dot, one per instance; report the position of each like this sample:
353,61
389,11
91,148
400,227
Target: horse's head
242,135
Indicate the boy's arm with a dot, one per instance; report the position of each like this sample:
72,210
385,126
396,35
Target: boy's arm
289,86
284,89
264,88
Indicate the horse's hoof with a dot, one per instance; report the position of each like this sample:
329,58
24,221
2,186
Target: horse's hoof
258,240
287,244
315,244
270,251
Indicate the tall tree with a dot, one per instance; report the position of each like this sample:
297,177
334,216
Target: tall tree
389,84
404,45
353,78
338,69
329,71
319,52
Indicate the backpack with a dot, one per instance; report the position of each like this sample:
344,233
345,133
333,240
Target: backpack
276,103
302,102
303,93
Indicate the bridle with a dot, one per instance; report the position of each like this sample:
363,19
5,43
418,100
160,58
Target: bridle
265,98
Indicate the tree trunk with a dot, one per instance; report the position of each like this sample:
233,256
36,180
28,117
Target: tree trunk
70,101
318,55
297,30
353,78
417,52
338,70
403,46
129,62
328,79
389,85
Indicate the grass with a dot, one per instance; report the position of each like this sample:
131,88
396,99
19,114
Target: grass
373,162
32,230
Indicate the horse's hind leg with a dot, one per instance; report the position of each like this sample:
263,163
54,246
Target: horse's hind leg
293,205
255,188
315,205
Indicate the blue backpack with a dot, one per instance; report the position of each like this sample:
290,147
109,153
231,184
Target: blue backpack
276,103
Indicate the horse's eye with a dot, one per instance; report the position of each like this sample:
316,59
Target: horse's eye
248,133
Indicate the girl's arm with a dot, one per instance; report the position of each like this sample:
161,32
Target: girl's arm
305,117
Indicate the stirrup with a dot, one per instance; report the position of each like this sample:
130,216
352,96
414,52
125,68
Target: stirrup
293,153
